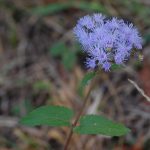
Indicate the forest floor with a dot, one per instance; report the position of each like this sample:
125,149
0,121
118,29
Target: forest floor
42,64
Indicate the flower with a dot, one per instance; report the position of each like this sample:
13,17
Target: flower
106,41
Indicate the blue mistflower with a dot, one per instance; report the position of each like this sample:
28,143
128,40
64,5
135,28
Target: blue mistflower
106,41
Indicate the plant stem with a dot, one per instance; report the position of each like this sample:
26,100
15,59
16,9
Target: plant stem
79,114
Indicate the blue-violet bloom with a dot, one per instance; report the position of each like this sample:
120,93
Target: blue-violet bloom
106,41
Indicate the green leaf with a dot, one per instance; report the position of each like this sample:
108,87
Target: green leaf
147,38
69,60
42,85
48,115
86,79
57,7
116,66
90,6
94,124
28,105
50,9
58,49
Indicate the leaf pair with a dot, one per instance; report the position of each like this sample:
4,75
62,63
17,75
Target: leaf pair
61,116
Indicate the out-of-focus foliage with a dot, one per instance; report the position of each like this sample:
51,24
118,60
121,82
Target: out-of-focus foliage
116,67
136,7
69,59
67,56
42,85
57,7
85,81
16,110
58,49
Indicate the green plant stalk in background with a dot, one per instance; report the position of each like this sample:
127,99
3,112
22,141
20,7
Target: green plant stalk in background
79,115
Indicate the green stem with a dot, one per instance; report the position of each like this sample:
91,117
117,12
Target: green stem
79,114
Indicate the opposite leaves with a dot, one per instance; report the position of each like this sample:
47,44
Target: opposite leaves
61,116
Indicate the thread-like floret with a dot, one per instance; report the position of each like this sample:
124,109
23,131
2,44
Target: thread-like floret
106,41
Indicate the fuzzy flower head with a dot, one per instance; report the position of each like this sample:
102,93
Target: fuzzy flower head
106,41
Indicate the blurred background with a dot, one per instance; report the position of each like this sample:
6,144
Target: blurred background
41,63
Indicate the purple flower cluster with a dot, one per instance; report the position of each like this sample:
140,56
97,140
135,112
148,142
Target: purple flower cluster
106,41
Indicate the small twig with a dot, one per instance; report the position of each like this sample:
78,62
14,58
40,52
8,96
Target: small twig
53,24
140,90
8,121
97,96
